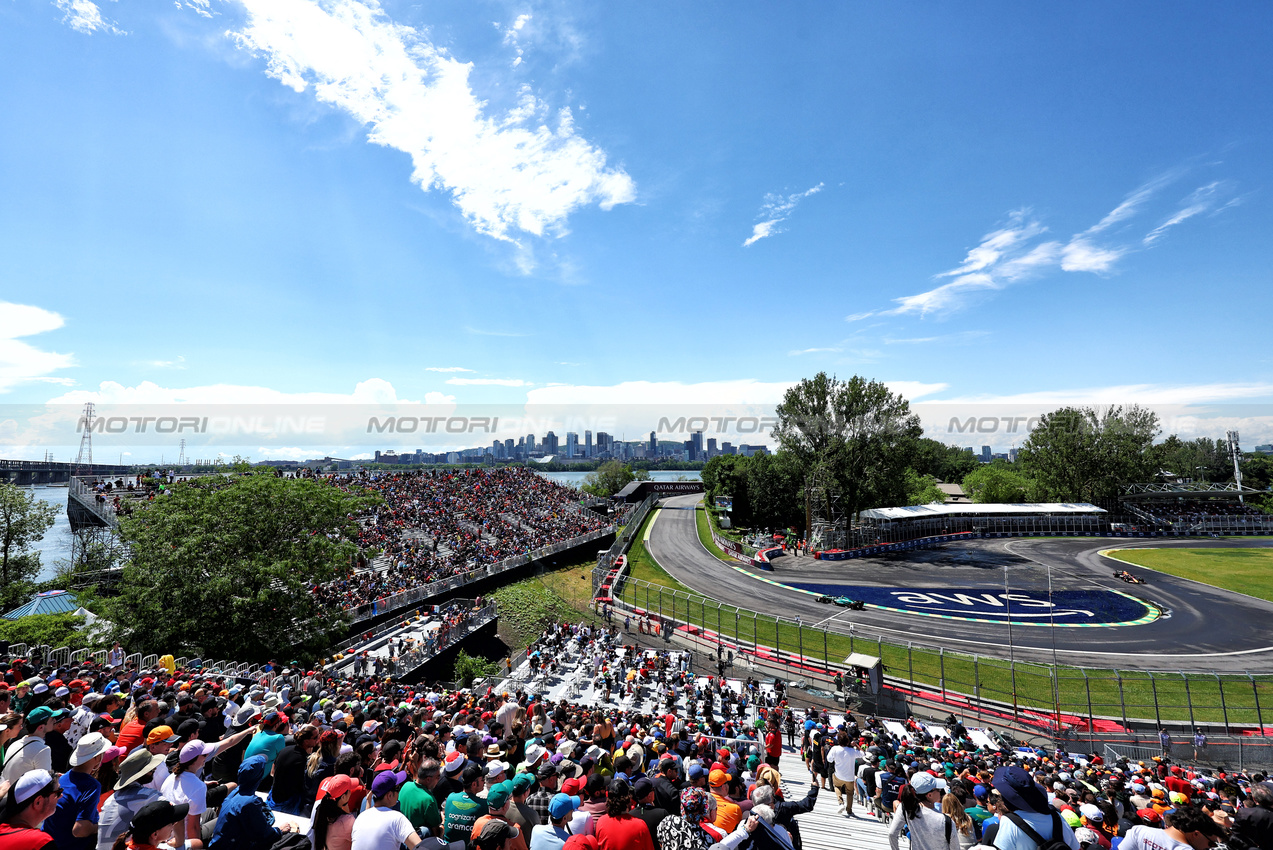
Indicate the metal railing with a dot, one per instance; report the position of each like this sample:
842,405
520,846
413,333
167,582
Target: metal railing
622,541
418,595
1065,702
424,652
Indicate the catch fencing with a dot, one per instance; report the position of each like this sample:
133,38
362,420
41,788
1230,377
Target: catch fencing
607,559
1066,703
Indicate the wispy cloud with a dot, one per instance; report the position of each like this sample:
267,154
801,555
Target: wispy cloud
1200,200
963,336
446,369
489,382
84,16
800,351
482,332
20,362
1014,252
179,363
523,172
776,210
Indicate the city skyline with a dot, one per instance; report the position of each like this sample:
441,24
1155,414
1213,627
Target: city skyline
349,202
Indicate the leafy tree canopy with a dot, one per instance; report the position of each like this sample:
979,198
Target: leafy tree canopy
1081,454
611,477
224,566
23,521
998,483
55,630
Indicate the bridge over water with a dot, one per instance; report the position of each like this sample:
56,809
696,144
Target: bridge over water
27,472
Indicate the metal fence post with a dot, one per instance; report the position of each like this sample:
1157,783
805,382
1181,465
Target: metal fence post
976,683
1087,685
1259,716
910,663
1121,700
941,661
1153,686
718,621
1224,708
1189,699
826,654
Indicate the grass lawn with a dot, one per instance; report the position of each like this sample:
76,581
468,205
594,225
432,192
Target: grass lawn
1248,571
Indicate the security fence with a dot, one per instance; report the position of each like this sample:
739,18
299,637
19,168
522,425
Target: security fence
1068,703
622,541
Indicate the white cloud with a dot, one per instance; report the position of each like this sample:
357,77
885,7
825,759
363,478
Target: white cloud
744,391
1129,394
446,369
202,8
179,363
489,382
800,351
775,210
20,362
1011,254
84,16
1199,201
371,391
522,172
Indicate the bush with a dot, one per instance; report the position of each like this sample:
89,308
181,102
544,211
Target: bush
55,630
469,668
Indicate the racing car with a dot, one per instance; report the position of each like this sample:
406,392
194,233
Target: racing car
851,604
1128,577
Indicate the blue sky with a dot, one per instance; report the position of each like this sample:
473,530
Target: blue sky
224,200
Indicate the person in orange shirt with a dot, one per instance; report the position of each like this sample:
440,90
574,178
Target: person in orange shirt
728,813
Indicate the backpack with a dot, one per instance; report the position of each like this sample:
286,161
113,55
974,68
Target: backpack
1056,842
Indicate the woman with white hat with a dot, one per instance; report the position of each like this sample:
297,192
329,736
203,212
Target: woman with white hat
917,809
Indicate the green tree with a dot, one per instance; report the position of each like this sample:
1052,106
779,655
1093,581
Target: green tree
1082,454
726,475
773,491
469,668
23,521
943,462
611,477
55,630
224,566
997,483
854,435
922,489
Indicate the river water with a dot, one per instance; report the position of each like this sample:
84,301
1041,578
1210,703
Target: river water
574,479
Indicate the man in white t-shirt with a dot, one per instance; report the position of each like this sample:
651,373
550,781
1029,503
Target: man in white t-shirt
31,753
382,827
843,759
1187,828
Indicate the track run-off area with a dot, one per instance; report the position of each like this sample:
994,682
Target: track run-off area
1052,600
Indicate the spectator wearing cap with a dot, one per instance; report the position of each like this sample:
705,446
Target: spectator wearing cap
74,823
915,811
225,764
540,800
1026,803
133,731
520,814
160,741
132,792
667,786
450,781
31,800
498,801
464,807
416,799
553,834
594,805
154,825
382,826
184,787
646,809
332,821
244,822
495,835
30,752
728,813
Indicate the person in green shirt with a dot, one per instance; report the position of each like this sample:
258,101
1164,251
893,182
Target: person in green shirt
979,812
463,808
415,800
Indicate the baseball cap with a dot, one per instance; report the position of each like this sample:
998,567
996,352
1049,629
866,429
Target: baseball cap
498,796
924,782
562,805
161,733
193,750
718,777
522,782
155,816
386,782
31,783
336,786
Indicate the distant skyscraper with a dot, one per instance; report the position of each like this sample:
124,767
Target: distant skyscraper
727,448
696,445
530,444
985,454
509,448
549,444
587,444
711,448
572,444
654,445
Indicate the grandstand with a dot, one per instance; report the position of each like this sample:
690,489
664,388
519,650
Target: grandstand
888,525
1195,508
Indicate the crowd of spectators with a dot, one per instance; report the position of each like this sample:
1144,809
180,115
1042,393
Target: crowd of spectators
102,757
1203,511
435,524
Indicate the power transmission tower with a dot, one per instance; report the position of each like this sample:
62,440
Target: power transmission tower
85,457
181,458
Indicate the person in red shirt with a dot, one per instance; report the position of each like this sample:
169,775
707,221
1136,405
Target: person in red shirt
773,744
30,801
617,829
132,734
1176,782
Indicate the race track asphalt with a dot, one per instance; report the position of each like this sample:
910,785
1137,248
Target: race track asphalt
1204,629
